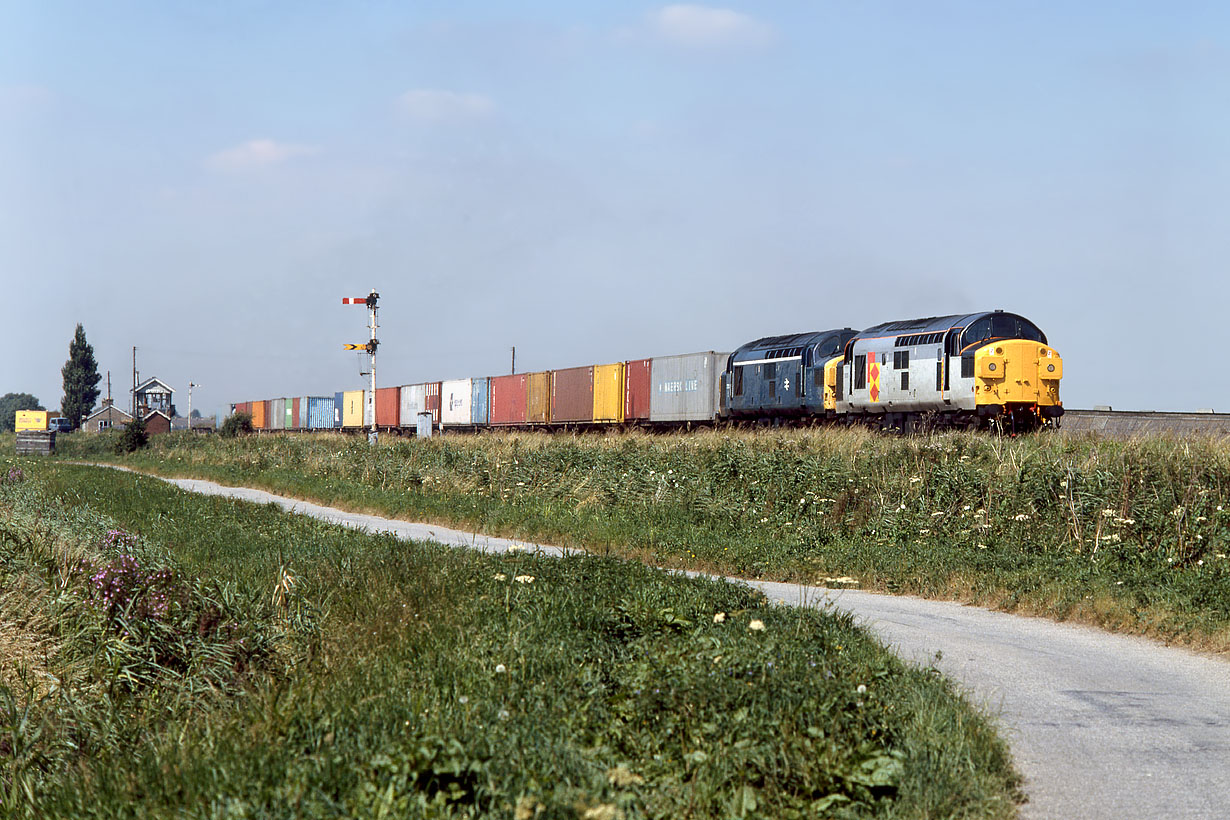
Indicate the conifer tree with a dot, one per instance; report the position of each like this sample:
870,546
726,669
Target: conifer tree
81,379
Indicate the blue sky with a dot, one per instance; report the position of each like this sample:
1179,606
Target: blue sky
599,181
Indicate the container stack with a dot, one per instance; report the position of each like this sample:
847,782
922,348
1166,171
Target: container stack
36,442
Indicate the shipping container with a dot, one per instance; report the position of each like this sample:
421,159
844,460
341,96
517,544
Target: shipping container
388,406
339,402
431,397
687,387
609,393
636,390
320,412
352,409
480,392
572,395
538,398
456,396
304,407
277,414
413,402
292,413
508,399
260,415
243,407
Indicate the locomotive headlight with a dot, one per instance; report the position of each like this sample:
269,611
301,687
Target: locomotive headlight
1050,368
991,366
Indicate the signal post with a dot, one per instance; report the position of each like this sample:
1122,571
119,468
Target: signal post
370,301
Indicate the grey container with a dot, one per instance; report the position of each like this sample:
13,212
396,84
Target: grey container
320,412
277,414
686,387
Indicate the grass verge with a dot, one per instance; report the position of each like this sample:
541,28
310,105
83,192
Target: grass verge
1131,536
192,656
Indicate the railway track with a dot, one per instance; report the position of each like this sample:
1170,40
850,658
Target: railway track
1129,423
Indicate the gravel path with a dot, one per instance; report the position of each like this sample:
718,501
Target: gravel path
1101,725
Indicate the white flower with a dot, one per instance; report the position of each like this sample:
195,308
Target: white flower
463,700
982,546
1108,513
861,689
1177,512
719,618
967,508
915,480
1063,485
924,532
500,669
756,626
499,576
524,579
764,521
1020,517
939,513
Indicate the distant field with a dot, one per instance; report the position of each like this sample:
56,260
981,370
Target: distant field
170,655
1129,535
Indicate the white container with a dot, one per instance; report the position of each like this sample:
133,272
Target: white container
456,400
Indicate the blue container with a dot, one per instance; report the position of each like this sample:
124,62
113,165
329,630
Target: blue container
480,390
339,401
320,412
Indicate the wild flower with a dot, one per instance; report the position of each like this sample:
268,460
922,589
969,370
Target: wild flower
862,688
719,618
924,532
1177,512
915,479
756,626
1108,513
524,579
499,576
500,669
1020,517
463,700
16,476
982,546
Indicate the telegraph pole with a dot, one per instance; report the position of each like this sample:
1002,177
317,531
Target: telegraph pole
370,301
190,386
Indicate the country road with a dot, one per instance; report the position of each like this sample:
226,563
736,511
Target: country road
1101,725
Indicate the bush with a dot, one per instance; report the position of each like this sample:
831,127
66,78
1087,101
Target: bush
133,438
236,424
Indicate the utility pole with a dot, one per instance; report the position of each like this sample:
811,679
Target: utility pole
370,411
514,359
134,381
190,386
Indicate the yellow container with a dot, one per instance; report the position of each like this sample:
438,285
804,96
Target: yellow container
538,398
31,420
352,408
609,392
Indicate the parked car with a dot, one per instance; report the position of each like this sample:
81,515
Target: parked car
60,425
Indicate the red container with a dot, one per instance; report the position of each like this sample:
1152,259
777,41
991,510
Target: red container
294,419
432,400
572,395
388,406
636,390
508,394
244,407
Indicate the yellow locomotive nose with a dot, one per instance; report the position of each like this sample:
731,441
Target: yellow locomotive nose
1017,372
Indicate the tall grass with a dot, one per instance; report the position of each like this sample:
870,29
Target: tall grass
396,679
1129,535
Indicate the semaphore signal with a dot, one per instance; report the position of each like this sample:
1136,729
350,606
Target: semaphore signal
370,302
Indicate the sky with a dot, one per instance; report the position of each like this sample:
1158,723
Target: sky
591,182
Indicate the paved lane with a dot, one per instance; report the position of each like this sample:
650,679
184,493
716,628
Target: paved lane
1101,725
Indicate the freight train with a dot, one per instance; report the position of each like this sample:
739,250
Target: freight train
981,370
